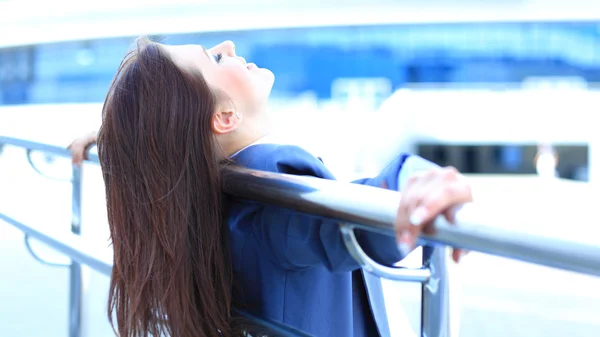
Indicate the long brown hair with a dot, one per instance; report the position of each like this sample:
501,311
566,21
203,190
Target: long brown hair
160,161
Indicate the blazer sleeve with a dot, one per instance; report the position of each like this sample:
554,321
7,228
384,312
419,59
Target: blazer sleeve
296,240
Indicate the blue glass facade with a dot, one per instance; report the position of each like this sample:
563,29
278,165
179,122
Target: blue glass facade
310,59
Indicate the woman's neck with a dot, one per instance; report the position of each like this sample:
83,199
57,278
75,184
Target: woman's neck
233,146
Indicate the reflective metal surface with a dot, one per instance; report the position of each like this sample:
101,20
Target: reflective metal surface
375,209
366,263
75,269
472,233
435,307
47,148
362,207
368,207
38,258
67,243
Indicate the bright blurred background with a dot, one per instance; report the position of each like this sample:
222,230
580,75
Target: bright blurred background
505,90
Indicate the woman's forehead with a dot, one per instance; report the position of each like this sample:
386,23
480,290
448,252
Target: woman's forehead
191,56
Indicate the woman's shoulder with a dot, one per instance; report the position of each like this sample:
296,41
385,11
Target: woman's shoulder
290,159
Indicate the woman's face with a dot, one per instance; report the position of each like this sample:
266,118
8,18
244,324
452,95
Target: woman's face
246,85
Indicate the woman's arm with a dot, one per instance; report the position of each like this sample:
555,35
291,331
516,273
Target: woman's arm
295,240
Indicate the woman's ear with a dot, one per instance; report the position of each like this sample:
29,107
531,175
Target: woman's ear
226,121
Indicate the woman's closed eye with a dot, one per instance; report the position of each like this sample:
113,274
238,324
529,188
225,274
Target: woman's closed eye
218,57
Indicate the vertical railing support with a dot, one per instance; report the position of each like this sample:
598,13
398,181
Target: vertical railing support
435,304
75,268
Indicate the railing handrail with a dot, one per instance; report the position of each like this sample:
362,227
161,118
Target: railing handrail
375,209
70,244
46,148
67,243
356,206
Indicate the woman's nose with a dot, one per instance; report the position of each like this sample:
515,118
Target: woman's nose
225,47
229,47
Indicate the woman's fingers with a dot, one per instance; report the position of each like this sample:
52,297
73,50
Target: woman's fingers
427,195
79,148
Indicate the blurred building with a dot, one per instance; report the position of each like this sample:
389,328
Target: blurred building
352,57
63,53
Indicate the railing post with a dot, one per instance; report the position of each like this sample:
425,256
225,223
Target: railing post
75,268
435,305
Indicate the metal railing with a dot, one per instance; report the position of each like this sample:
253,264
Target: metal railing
355,206
69,243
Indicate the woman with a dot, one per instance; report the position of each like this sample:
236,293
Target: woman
183,254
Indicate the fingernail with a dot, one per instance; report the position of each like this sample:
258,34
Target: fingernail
404,249
417,216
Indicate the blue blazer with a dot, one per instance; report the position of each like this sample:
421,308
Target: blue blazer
294,268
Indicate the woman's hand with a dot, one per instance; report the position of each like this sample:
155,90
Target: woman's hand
427,195
80,146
